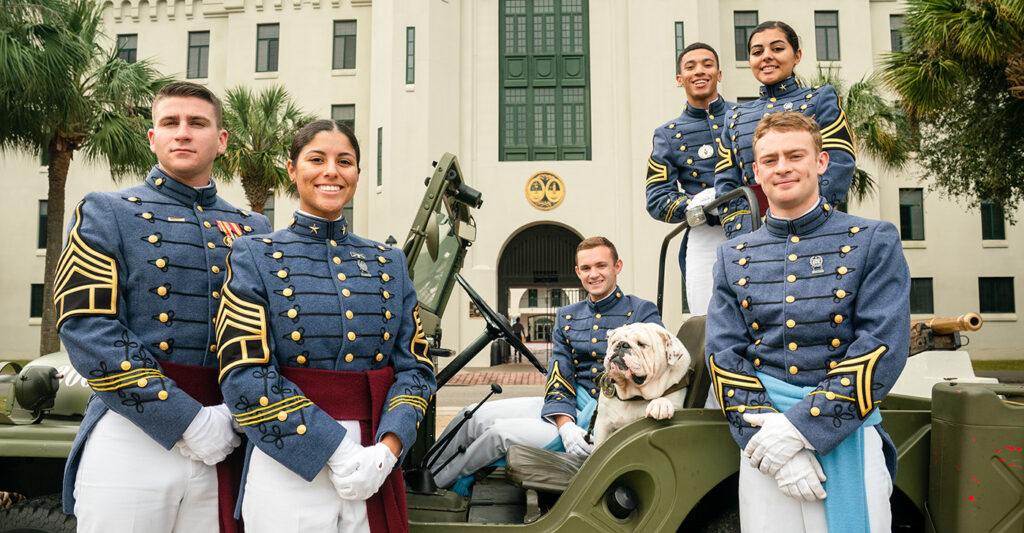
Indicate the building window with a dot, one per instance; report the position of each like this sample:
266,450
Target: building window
744,23
531,297
41,238
410,55
344,113
266,47
344,44
912,214
555,298
995,295
896,32
993,226
127,47
921,301
35,306
268,210
544,99
380,156
680,43
198,54
826,35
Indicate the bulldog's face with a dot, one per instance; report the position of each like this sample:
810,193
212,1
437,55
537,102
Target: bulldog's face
644,360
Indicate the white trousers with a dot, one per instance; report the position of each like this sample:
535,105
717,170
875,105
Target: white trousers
488,435
764,509
701,245
277,500
127,482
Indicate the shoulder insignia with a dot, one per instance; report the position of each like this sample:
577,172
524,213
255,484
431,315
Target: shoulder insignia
241,331
724,157
656,172
863,370
419,344
720,378
557,384
86,280
838,135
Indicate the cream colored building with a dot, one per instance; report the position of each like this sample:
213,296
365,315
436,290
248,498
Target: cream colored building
475,92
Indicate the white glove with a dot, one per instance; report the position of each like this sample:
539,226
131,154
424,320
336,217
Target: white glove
210,437
801,477
774,444
574,439
357,472
702,199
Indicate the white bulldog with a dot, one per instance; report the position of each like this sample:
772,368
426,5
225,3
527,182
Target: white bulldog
647,370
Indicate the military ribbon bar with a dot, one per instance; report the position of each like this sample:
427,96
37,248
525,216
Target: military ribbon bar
230,231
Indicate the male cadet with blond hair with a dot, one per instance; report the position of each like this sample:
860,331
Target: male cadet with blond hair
136,292
579,341
681,169
808,330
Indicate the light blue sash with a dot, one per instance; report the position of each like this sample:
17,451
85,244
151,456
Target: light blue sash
846,507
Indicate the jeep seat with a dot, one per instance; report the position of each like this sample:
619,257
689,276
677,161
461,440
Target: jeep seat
692,335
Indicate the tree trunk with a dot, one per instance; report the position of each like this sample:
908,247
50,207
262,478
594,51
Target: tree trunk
255,192
60,160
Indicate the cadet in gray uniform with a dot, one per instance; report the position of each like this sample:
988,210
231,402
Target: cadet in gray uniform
808,330
136,291
579,339
323,358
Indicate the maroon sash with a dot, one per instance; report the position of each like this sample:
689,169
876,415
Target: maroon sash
359,396
200,382
762,200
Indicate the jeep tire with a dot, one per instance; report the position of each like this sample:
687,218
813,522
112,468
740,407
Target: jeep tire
38,515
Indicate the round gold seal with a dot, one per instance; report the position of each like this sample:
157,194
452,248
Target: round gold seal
545,190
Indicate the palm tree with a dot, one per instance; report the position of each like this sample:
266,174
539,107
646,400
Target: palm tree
880,128
262,126
62,92
947,41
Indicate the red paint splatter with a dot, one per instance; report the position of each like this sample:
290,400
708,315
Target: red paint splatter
975,480
970,498
957,467
972,439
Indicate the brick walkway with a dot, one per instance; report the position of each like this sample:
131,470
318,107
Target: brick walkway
501,378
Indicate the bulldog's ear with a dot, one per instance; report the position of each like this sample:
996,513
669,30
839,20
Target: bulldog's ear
674,348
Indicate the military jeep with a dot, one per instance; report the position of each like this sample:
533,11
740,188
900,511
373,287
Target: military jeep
959,440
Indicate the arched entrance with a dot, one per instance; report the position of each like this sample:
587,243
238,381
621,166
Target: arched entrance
535,278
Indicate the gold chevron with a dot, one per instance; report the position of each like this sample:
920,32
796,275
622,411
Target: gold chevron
419,344
863,370
838,134
556,377
80,269
724,157
249,322
672,208
655,172
720,378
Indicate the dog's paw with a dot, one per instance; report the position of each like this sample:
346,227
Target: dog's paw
660,409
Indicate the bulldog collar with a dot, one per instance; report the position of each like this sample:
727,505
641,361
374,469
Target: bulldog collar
608,387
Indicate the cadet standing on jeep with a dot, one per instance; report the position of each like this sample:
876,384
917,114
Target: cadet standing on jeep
808,329
136,292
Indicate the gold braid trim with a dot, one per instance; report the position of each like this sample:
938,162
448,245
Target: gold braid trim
85,281
863,370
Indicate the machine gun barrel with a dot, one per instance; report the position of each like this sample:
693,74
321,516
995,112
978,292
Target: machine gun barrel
945,326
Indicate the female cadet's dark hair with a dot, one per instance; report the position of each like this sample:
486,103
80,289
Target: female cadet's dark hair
692,47
305,135
787,30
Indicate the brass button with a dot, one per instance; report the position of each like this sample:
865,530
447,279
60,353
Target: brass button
163,317
301,359
301,429
387,295
266,240
618,295
595,327
161,290
210,245
790,323
835,343
207,224
292,313
772,99
629,313
593,391
349,314
387,315
739,226
739,247
160,263
264,401
215,269
790,299
575,361
216,295
162,395
246,228
745,303
804,106
845,249
349,358
346,293
342,276
793,370
597,316
381,259
741,408
593,370
815,411
351,336
830,395
742,282
158,182
387,335
792,257
380,357
792,348
845,382
282,274
147,216
730,393
794,239
842,270
827,207
757,362
758,341
213,348
133,199
282,416
755,326
593,340
152,238
791,278
337,260
838,319
125,365
277,255
199,208
142,382
296,335
689,161
840,293
385,278
855,229
742,262
568,317
163,346
287,292
769,106
833,364
333,242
